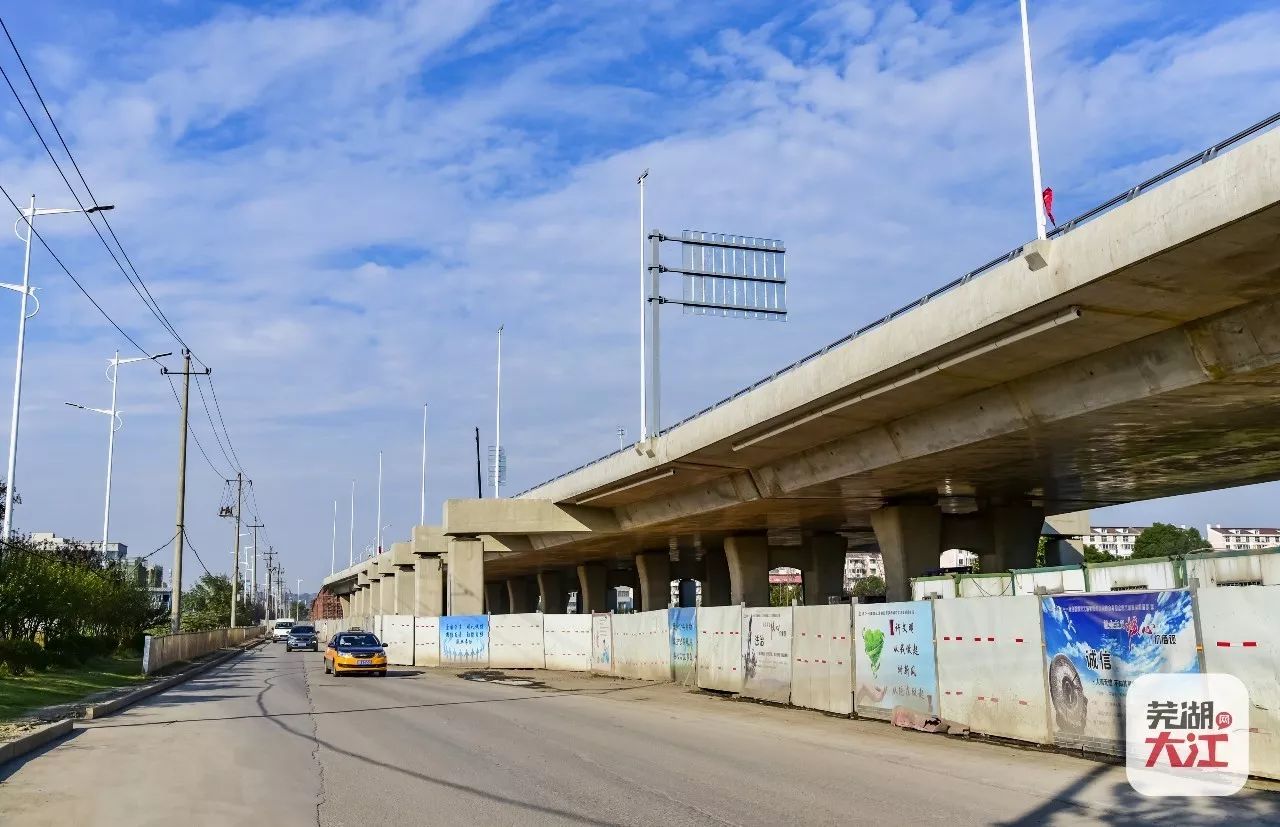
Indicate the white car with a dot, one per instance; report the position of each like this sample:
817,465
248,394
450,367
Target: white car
280,630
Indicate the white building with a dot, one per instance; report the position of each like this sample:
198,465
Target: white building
860,564
1115,540
48,541
1241,539
957,558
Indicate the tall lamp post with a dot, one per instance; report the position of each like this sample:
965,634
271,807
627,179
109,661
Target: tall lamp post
1031,123
114,424
28,218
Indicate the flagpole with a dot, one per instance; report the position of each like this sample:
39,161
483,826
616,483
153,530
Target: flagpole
1031,124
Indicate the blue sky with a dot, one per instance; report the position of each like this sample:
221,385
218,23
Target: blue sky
338,203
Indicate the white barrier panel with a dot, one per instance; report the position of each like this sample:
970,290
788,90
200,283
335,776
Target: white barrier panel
894,658
426,641
397,639
991,666
602,643
1237,626
567,642
1148,576
766,654
984,585
923,588
1261,569
1053,581
822,658
720,648
642,646
515,642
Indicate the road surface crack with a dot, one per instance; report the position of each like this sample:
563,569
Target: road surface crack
315,743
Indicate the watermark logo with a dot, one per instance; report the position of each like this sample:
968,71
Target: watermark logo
1187,735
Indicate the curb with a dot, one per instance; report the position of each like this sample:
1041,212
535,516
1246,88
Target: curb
40,736
34,740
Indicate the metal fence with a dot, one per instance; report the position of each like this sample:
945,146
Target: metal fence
161,650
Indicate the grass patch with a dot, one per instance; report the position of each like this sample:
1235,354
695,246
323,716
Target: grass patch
21,695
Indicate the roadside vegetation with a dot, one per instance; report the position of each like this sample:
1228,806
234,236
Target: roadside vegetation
21,694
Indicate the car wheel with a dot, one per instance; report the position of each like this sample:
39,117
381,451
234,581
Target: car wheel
288,648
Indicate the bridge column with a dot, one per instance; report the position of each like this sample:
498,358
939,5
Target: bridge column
344,601
910,539
653,569
748,558
428,592
466,576
495,598
406,589
715,578
388,595
1015,533
551,588
592,578
824,569
616,578
375,597
522,595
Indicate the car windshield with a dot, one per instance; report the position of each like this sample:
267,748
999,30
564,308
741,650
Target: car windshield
356,640
303,630
284,624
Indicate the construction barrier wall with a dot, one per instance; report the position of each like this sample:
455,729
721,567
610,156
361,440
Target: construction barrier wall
1062,580
720,648
822,658
991,671
642,646
567,642
941,586
464,640
766,654
894,659
602,643
984,585
1233,568
397,639
1238,626
515,641
426,641
684,645
1148,575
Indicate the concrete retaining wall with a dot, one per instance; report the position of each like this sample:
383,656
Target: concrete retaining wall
158,651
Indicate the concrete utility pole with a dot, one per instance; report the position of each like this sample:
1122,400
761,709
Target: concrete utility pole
175,598
267,582
235,548
253,578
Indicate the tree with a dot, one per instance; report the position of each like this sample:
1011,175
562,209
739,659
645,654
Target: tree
1165,540
1093,554
869,586
208,605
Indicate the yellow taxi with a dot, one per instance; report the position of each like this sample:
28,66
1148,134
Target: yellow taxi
355,653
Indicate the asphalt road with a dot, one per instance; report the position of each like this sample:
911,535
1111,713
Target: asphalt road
270,739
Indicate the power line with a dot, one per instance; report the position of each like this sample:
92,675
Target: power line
218,407
235,465
192,546
218,473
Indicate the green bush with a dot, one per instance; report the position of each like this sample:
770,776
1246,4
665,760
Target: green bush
22,656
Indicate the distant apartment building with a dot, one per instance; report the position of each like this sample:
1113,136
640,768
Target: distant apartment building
48,541
1115,540
860,564
1241,539
957,558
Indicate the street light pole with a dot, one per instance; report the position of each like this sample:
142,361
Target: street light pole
333,547
377,534
422,495
644,317
497,428
1031,122
351,537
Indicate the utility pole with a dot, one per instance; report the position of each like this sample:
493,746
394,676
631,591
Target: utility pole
270,554
422,495
235,548
253,578
497,426
175,598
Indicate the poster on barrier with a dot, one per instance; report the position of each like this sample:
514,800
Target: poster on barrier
1237,624
397,639
991,674
464,640
515,641
567,642
766,654
894,664
602,643
426,641
684,645
642,646
720,648
822,658
1095,645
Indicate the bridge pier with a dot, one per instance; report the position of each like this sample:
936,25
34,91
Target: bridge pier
551,588
406,590
824,571
522,595
748,558
344,602
653,569
428,592
388,594
910,539
495,598
1015,534
616,578
466,576
375,595
592,579
715,578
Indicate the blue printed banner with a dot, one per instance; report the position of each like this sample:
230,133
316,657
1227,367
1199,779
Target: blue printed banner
684,645
1096,645
464,640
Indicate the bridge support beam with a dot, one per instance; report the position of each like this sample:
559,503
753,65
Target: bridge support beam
522,595
653,569
592,579
428,581
910,539
551,588
748,558
824,569
466,576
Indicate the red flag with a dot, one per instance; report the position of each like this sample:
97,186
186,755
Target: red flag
1047,197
